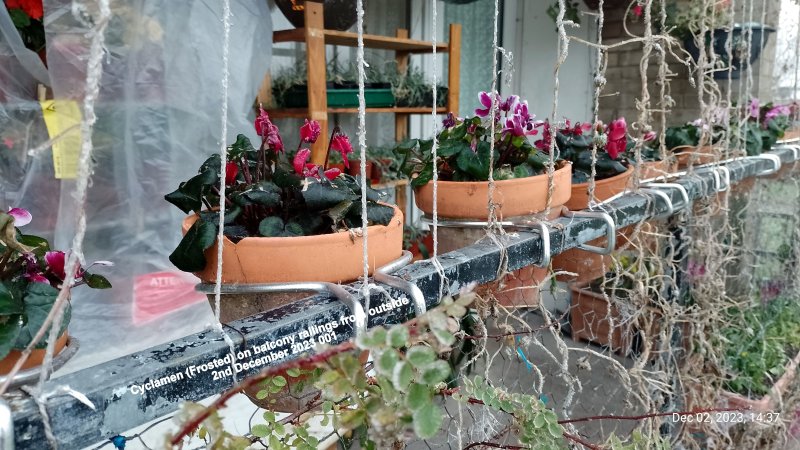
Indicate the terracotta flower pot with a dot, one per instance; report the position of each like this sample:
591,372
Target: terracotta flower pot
587,265
355,168
334,257
792,134
589,319
517,198
653,169
35,359
768,402
689,155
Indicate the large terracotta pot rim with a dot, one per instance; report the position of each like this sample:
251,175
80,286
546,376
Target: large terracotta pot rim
293,240
690,148
625,174
560,165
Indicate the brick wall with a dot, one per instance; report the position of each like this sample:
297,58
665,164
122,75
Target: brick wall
624,86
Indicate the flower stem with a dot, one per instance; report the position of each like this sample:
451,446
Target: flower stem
334,133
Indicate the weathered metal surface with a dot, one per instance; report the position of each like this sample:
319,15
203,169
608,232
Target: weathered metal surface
114,386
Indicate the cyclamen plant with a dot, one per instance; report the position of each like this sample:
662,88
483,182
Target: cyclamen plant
574,143
464,145
31,275
267,195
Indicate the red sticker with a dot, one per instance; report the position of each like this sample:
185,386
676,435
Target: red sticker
160,293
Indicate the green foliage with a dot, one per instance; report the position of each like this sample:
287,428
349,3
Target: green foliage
758,344
463,155
571,11
538,426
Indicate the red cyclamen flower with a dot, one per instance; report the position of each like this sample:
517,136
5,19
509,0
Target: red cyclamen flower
33,8
310,131
56,261
268,131
616,132
303,168
231,171
341,144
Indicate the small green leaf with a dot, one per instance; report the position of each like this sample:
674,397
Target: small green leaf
262,394
444,336
420,355
269,416
271,226
293,229
279,381
387,361
402,375
435,372
554,429
539,421
293,372
427,421
95,281
419,396
260,430
397,336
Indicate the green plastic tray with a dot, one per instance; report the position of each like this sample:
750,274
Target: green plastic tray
342,98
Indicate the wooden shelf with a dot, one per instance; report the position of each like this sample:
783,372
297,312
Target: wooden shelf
334,37
301,113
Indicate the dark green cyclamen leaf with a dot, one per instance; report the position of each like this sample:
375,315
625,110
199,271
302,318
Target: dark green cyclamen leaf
235,233
189,254
212,164
523,171
188,196
452,147
310,223
406,145
476,164
424,177
9,303
27,330
241,146
39,300
271,227
284,177
9,331
95,281
319,197
293,229
19,18
354,184
379,214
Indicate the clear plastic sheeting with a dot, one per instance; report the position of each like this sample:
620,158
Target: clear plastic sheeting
158,119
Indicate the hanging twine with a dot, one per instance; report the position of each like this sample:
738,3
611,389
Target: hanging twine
362,144
599,84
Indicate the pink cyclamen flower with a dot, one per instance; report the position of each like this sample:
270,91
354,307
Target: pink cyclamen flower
521,122
780,110
268,131
616,133
8,142
21,216
231,171
56,260
303,168
754,108
449,121
341,144
649,136
310,131
486,101
637,10
509,103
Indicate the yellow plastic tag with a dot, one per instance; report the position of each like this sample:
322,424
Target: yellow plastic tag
64,116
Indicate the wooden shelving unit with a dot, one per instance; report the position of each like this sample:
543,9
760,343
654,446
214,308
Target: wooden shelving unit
316,38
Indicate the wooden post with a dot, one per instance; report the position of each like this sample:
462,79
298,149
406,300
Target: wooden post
401,120
316,64
454,68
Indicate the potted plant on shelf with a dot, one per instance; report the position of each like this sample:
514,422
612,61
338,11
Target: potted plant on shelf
463,166
596,307
612,172
280,213
690,144
31,275
653,165
766,125
410,88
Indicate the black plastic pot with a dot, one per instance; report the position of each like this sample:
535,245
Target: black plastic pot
339,14
738,35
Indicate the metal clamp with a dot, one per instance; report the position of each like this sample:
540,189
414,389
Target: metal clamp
715,173
381,275
726,175
544,233
795,148
661,194
776,160
611,230
320,287
454,223
676,186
